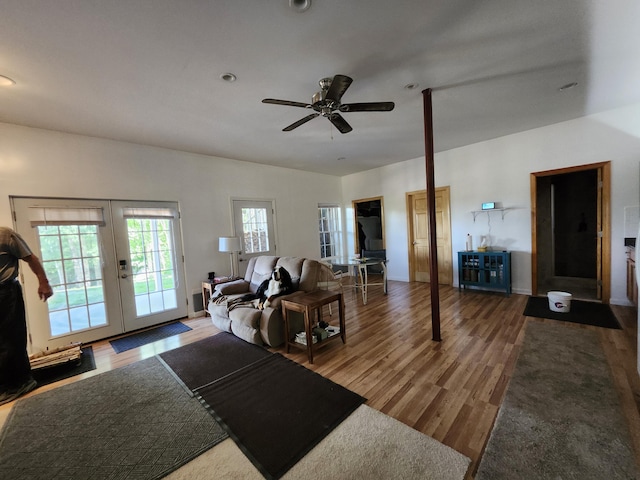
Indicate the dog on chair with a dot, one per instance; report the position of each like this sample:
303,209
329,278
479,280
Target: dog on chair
278,284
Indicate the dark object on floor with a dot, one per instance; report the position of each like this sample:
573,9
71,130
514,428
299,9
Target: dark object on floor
148,336
47,375
207,360
586,313
132,422
277,410
561,416
14,394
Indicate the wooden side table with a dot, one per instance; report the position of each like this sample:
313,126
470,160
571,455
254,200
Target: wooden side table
207,293
308,304
208,288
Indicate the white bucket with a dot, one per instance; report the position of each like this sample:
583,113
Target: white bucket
559,301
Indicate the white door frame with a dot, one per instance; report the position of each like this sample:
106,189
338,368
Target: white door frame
40,337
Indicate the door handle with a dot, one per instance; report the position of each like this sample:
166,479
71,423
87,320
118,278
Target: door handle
124,275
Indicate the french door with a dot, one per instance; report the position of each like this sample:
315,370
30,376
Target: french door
254,226
150,262
114,267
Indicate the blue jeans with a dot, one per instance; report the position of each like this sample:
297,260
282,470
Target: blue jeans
15,369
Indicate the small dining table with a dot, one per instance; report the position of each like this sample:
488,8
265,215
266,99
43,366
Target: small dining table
359,267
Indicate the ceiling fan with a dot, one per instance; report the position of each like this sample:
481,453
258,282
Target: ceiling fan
326,102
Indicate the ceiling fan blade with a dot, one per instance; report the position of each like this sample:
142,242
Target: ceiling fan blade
286,102
339,85
367,107
340,123
300,122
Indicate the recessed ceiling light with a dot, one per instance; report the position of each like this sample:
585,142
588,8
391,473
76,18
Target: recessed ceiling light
411,86
300,5
228,77
568,86
6,81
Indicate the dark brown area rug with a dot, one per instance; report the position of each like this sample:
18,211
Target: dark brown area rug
274,409
207,360
585,313
277,411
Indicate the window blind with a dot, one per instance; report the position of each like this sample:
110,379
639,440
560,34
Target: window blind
151,212
39,216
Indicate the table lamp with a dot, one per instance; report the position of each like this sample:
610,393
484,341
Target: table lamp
229,245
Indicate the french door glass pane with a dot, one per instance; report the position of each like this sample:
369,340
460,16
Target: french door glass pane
152,264
255,230
72,260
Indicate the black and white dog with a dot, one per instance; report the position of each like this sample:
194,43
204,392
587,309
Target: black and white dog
279,283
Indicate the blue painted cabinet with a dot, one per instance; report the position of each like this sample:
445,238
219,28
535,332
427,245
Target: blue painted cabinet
489,270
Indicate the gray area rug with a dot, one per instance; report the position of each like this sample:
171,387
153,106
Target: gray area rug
561,417
133,422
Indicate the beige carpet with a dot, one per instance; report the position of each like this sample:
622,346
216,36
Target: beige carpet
367,445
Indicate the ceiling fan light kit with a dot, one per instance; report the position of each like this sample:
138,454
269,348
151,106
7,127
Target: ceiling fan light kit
326,103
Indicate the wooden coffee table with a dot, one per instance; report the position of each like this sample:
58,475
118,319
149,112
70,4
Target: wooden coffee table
309,304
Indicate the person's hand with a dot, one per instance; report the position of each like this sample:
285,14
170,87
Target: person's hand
44,291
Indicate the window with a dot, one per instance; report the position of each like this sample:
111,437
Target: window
71,257
330,231
255,229
152,264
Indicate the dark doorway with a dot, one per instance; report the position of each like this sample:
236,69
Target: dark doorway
568,232
369,219
575,216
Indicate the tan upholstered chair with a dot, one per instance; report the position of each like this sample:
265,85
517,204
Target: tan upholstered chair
328,279
260,326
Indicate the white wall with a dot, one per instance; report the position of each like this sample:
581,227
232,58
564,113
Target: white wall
50,164
498,171
42,163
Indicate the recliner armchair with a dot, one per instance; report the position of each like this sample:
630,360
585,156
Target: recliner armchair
249,323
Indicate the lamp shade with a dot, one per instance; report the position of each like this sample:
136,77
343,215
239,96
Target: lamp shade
229,244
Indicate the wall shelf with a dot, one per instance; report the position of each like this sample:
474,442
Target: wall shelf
501,210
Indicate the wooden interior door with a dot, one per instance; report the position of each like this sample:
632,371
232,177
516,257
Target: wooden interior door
419,257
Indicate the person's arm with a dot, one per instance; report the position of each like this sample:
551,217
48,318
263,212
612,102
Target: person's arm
44,289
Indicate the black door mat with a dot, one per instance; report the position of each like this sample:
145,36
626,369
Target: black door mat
586,313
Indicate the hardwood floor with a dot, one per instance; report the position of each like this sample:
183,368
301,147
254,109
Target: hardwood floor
450,390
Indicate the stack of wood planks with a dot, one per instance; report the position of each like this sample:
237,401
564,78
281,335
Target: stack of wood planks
68,353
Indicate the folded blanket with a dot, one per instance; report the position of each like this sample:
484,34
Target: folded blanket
236,302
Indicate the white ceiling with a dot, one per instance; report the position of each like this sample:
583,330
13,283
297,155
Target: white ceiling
147,71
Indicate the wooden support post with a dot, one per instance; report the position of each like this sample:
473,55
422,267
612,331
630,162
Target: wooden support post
431,209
